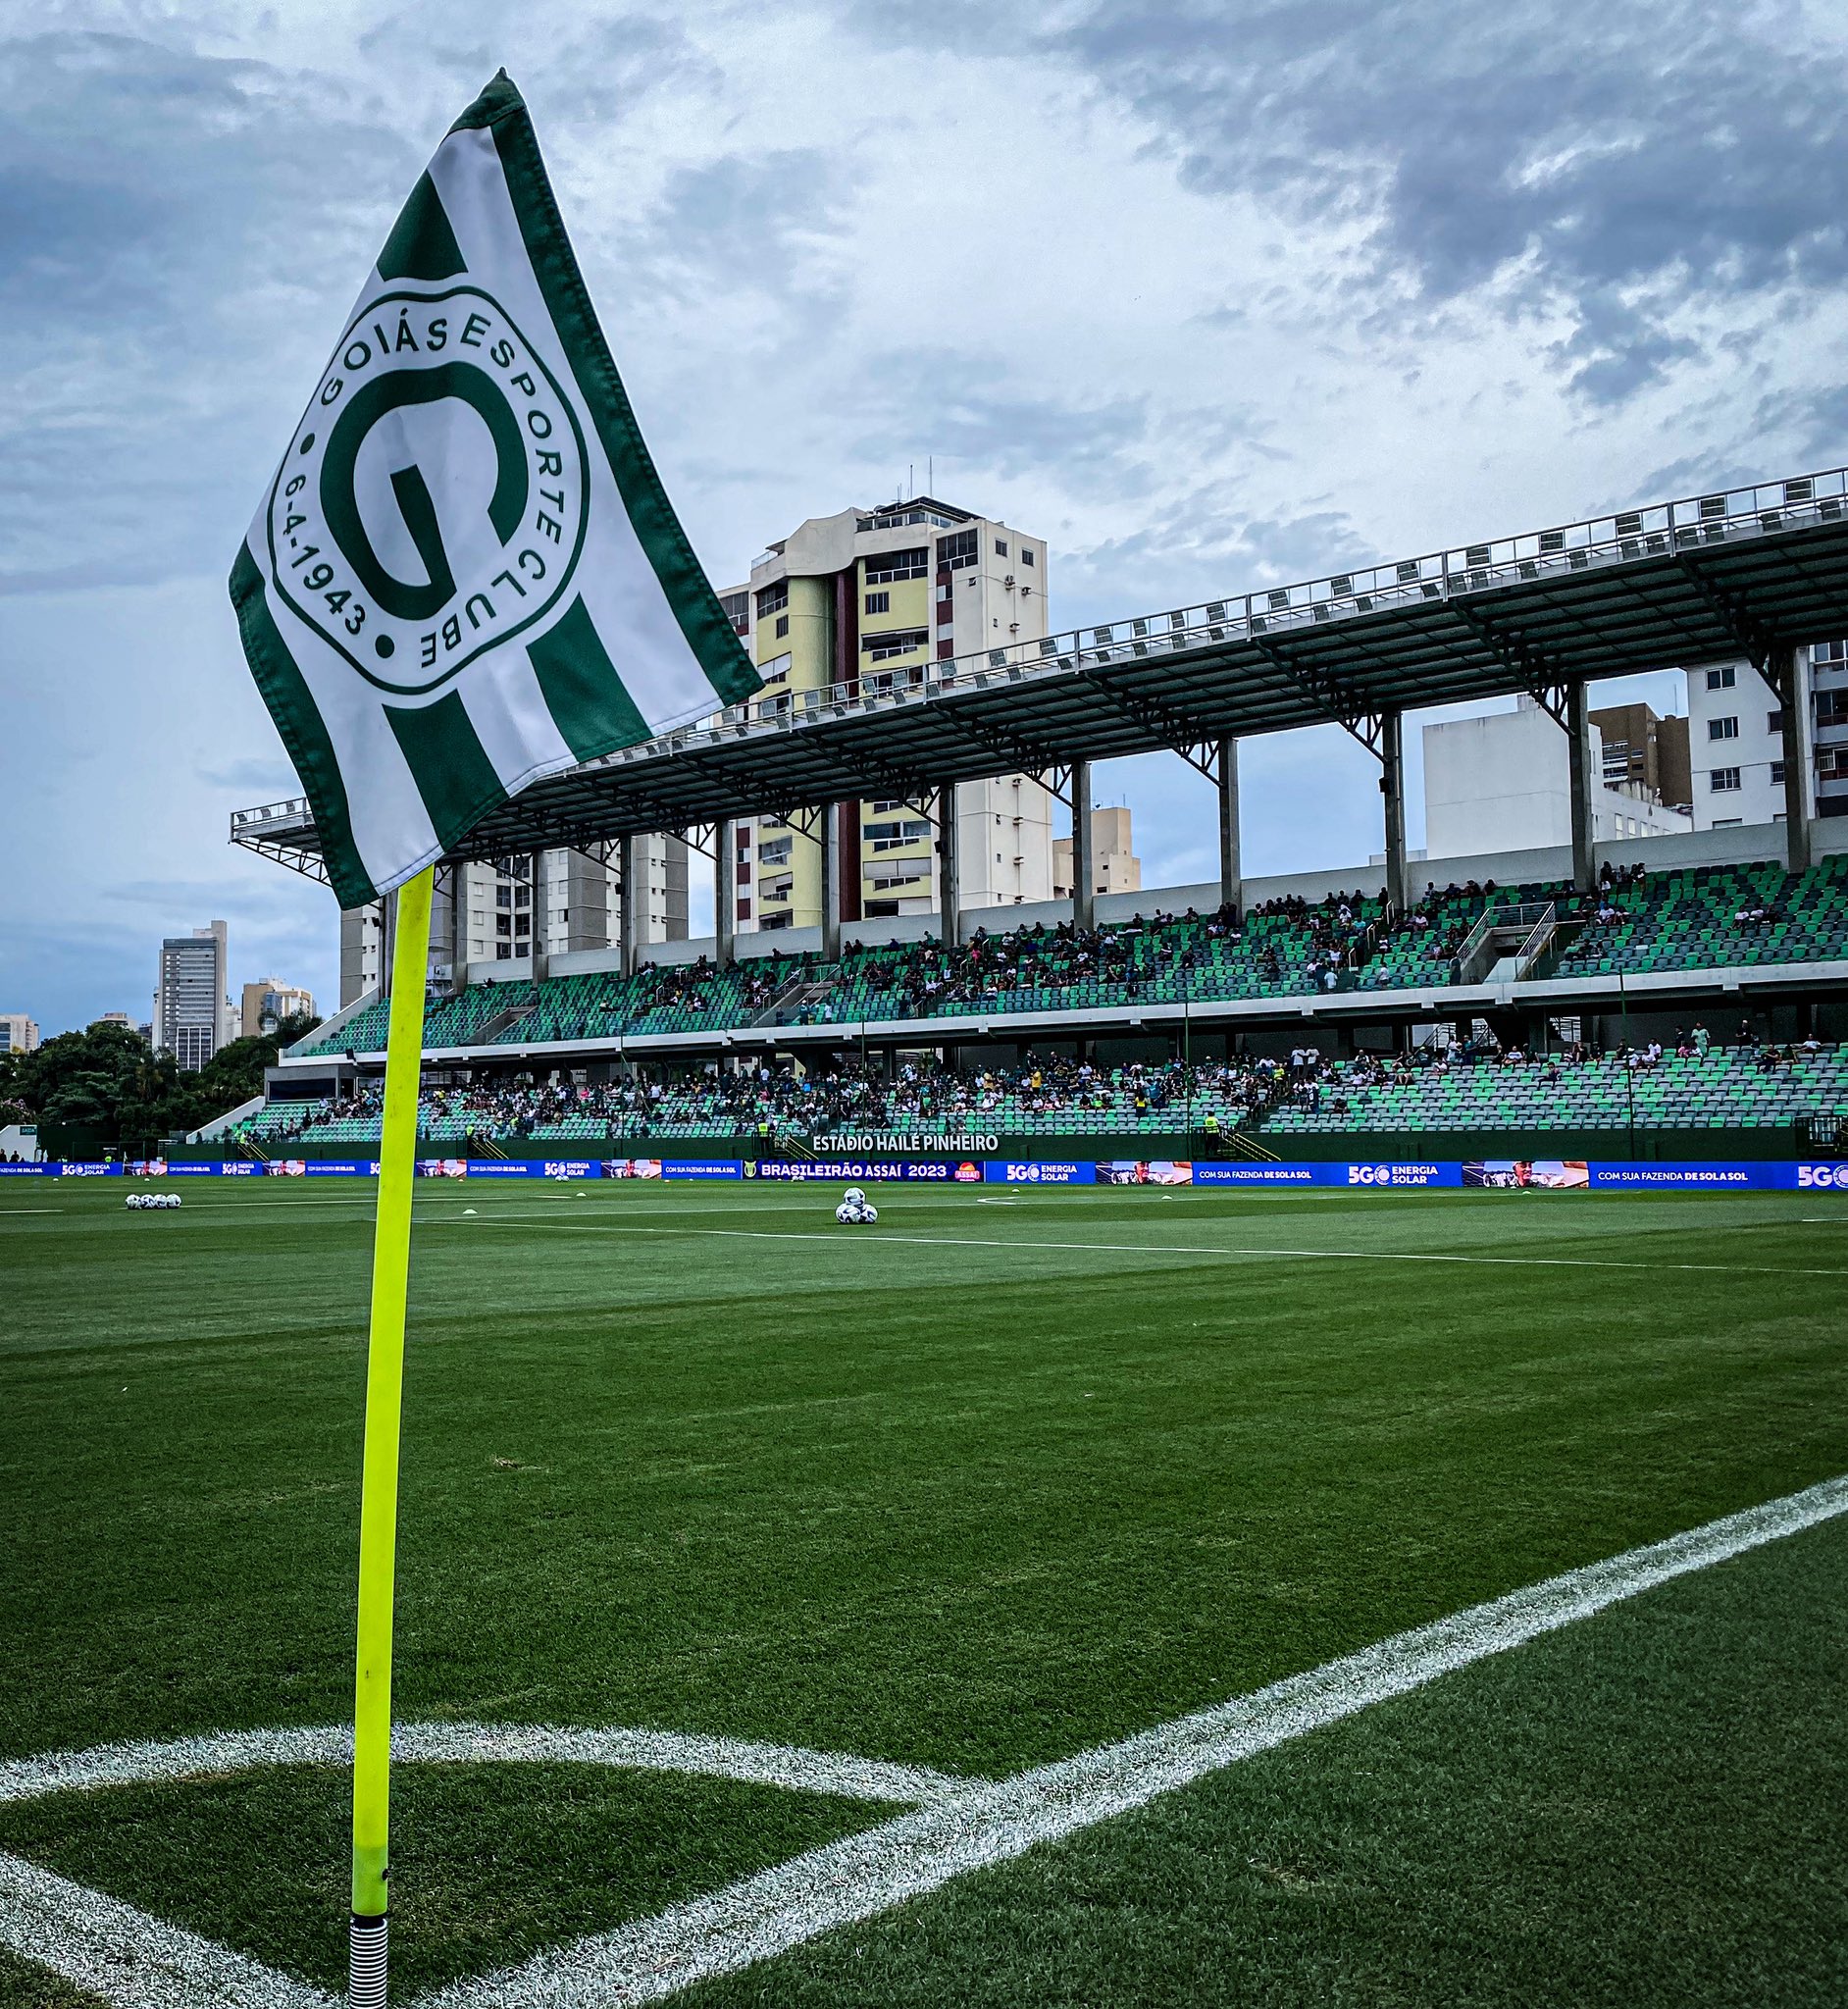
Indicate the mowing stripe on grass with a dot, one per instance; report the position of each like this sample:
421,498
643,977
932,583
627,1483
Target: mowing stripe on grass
859,1877
868,1241
137,1962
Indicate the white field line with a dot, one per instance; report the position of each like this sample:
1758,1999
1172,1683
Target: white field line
856,1879
865,1241
137,1962
225,1752
129,1958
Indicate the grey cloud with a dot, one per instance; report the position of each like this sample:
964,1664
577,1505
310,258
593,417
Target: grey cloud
960,408
741,224
1626,164
251,778
1201,549
161,228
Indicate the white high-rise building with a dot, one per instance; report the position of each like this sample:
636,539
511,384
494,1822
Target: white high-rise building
1501,782
19,1034
1735,745
579,905
192,1007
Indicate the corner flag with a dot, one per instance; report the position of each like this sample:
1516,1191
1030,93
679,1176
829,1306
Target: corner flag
466,573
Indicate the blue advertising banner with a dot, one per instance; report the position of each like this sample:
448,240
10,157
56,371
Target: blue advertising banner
1033,1172
339,1168
702,1169
76,1171
1248,1174
41,1170
1745,1176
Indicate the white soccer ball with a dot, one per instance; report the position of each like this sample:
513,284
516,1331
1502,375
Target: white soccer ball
134,1199
869,1213
855,1196
846,1212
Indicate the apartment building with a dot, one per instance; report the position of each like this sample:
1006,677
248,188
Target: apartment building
574,902
19,1033
192,1008
267,1002
1114,866
1644,754
864,600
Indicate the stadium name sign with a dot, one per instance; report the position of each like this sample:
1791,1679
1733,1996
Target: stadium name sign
904,1144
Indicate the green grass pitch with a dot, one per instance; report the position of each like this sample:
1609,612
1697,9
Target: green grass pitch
1003,1478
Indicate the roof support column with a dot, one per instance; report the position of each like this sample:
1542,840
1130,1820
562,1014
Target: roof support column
1579,785
725,891
387,940
1083,865
633,901
1231,890
1391,785
830,836
536,920
948,869
458,928
1787,672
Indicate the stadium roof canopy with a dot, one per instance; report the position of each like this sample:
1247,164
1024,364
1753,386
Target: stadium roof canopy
1699,579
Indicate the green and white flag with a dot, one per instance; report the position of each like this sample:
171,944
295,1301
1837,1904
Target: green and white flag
466,573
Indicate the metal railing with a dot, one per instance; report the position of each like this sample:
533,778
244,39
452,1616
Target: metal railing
1530,916
1620,537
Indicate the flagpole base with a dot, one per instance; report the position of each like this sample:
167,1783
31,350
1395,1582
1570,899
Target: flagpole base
366,1963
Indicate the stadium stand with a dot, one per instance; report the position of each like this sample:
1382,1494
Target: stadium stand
1691,1087
1731,916
1474,1086
1697,918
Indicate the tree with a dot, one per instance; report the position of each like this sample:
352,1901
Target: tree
106,1084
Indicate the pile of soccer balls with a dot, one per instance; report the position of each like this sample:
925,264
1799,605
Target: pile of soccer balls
855,1209
139,1200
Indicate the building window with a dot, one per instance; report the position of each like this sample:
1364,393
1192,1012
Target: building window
890,565
960,550
1722,678
878,604
894,641
736,607
773,599
503,895
1001,547
1722,781
783,626
1775,722
1026,554
503,924
1777,774
523,924
776,669
1722,728
503,952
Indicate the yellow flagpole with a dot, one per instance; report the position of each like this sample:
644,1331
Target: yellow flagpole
379,1495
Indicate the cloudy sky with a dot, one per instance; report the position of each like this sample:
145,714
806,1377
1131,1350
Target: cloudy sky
1209,296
